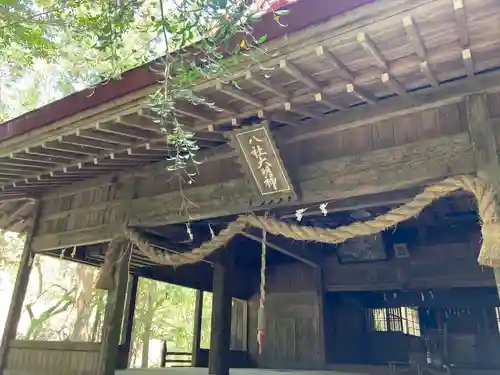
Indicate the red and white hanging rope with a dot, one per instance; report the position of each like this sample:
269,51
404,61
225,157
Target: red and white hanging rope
261,321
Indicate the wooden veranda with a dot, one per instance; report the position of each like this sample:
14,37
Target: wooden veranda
367,103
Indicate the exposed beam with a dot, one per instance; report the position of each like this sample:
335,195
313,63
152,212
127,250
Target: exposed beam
14,215
263,84
46,160
370,47
452,92
330,103
301,111
192,112
338,66
300,76
394,85
8,162
461,20
84,142
224,107
140,122
294,251
49,152
429,74
415,37
105,137
74,150
129,131
284,118
239,95
468,62
361,93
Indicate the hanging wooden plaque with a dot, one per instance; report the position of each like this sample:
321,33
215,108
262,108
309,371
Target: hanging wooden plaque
362,249
262,163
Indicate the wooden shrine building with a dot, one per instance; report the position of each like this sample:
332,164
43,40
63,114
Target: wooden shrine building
367,103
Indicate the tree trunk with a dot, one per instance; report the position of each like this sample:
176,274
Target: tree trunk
85,295
99,312
146,334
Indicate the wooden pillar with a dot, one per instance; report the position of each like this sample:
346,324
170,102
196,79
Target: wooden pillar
484,145
220,337
128,320
19,292
108,359
318,273
198,314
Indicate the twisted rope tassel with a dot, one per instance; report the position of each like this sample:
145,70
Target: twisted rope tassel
486,198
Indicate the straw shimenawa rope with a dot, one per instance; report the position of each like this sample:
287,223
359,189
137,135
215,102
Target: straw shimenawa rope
487,205
106,278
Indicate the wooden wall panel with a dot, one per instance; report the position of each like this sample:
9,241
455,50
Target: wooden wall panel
294,331
239,325
419,126
71,212
52,358
429,266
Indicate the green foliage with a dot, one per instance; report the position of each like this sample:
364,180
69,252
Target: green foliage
62,304
85,42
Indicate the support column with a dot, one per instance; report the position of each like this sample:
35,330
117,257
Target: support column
220,338
108,358
198,314
484,145
318,274
19,292
128,321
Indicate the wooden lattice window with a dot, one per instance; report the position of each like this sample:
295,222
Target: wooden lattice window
411,322
395,319
377,319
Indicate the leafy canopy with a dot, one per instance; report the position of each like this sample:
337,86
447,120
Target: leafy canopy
79,43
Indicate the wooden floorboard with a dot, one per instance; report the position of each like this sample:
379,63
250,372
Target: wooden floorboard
249,371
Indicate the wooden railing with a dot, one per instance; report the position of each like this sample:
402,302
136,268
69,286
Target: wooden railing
186,357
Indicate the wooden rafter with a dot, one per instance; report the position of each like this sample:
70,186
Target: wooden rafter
415,37
370,47
329,102
429,74
300,76
394,85
262,83
361,93
290,107
239,95
461,20
337,65
468,62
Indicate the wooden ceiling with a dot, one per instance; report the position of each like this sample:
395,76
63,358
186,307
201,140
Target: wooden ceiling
329,68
